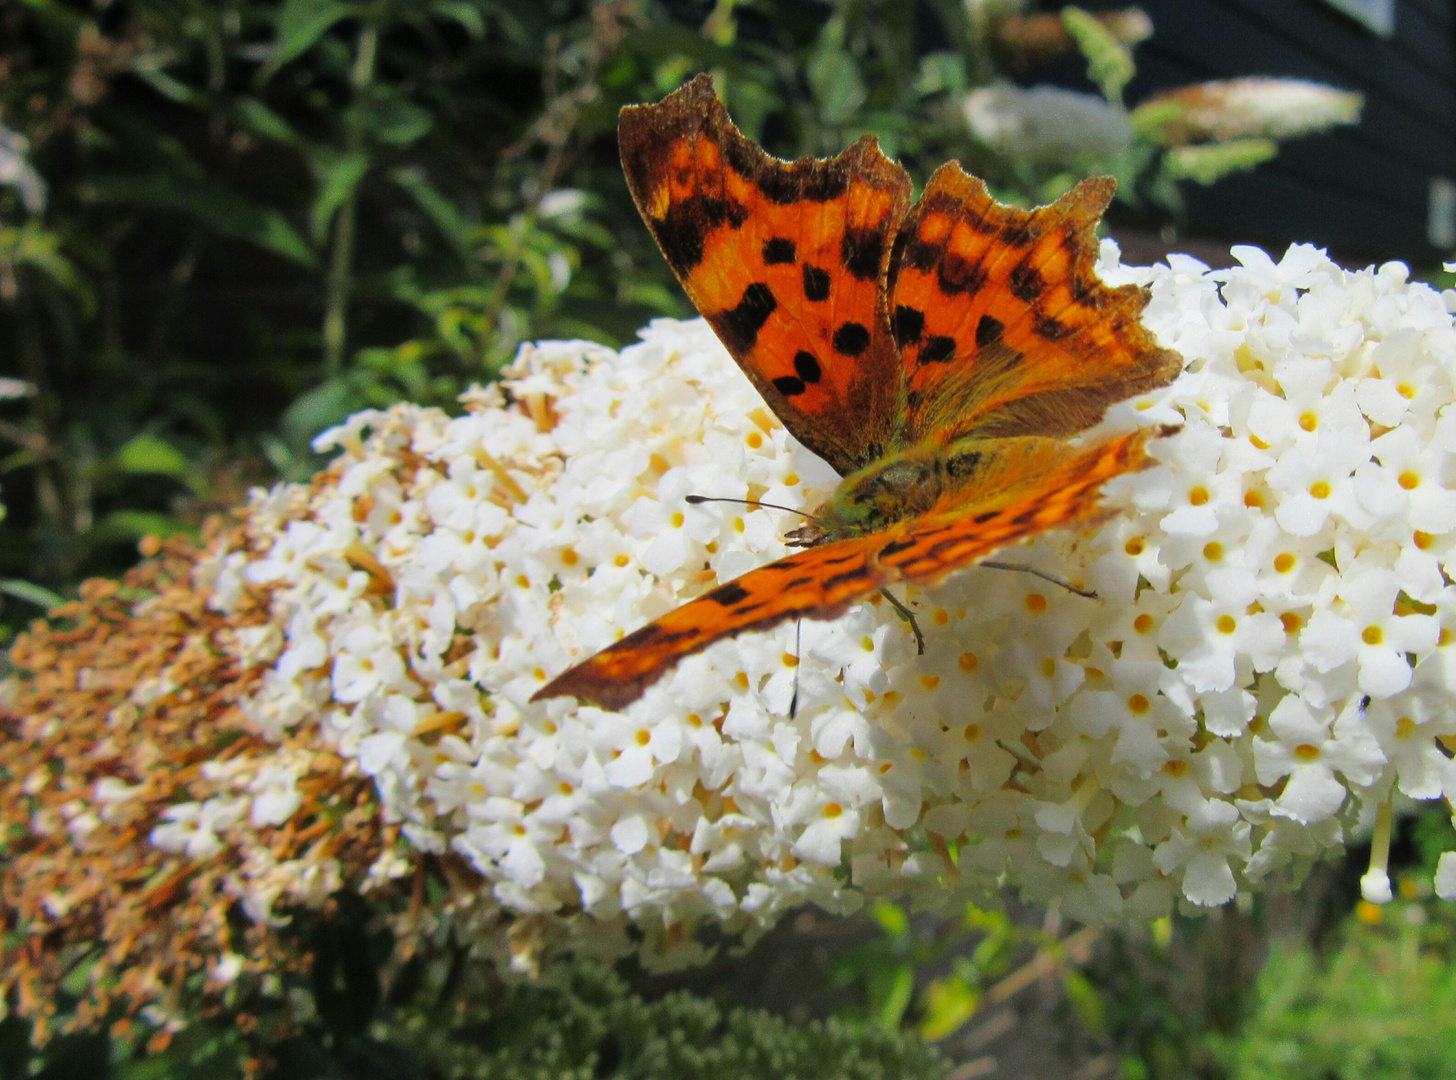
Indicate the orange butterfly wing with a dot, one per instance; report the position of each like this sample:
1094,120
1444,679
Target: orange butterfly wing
786,261
823,582
1003,325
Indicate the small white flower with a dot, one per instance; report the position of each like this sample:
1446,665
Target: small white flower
1309,750
1366,628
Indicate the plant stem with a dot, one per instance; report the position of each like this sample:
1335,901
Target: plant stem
341,261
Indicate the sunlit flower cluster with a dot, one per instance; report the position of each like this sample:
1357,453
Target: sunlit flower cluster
1267,665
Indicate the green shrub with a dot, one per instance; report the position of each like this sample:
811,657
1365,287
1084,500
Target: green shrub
582,1022
1380,1008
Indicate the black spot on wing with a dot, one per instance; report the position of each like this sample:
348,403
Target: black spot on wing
855,573
908,324
861,250
957,275
816,283
896,546
807,367
728,595
738,327
825,182
918,255
1026,283
1050,328
988,330
681,234
851,339
789,385
778,251
779,187
938,350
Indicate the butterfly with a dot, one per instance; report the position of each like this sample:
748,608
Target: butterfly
938,356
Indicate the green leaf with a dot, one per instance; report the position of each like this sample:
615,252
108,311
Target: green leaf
1084,1001
252,114
146,454
319,409
1206,164
467,14
149,454
214,207
397,122
31,593
1109,60
128,525
300,24
338,179
890,991
445,214
947,1004
941,72
837,85
892,918
1153,119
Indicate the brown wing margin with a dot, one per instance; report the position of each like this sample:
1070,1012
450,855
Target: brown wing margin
1003,324
820,583
787,261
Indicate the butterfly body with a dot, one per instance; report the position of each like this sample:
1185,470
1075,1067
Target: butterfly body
937,356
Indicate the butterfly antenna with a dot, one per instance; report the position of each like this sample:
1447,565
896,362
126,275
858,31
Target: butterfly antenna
698,500
1091,594
909,617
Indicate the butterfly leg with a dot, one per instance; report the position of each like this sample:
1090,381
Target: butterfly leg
1091,594
799,655
909,617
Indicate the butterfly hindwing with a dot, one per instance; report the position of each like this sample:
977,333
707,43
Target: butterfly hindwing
1063,492
1003,324
822,582
787,262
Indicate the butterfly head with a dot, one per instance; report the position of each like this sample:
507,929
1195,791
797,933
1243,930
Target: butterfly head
897,486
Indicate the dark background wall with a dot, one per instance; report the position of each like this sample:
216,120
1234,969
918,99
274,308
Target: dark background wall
1361,191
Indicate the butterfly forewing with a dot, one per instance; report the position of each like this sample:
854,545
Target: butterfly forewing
1003,325
786,261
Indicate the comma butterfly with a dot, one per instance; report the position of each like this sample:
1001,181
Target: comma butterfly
938,356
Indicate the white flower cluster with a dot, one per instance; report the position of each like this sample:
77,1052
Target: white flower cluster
1267,663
